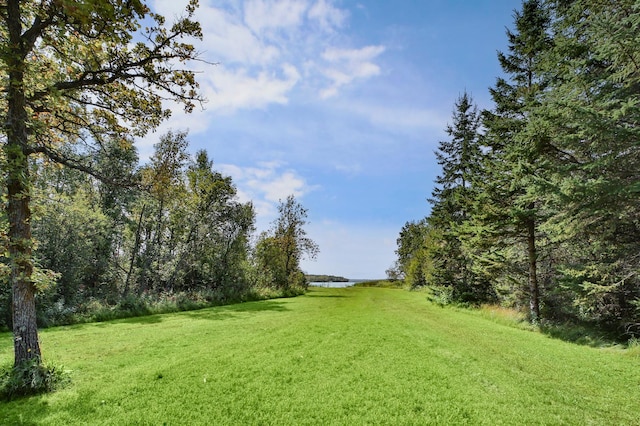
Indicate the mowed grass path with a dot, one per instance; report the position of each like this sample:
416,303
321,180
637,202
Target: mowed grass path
334,356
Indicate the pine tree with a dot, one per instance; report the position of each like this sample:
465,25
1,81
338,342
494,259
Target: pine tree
452,201
592,115
510,209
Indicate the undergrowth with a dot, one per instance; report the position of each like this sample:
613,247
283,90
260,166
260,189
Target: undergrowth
381,284
584,334
31,377
97,310
633,347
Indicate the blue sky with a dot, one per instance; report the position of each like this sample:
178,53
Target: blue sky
340,103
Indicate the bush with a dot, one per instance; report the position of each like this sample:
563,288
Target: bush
440,295
30,378
382,284
56,313
132,305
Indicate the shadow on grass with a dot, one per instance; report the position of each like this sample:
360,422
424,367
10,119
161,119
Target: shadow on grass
229,311
27,410
329,292
582,334
325,295
211,312
146,319
259,306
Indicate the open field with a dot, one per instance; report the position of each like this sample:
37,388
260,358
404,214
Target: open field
334,356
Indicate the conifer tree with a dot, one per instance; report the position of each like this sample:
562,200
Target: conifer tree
452,201
510,208
592,115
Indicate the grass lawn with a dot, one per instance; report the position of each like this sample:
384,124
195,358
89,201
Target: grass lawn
334,356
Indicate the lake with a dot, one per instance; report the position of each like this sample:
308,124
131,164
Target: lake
333,284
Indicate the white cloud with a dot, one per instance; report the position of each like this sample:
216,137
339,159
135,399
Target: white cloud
260,46
169,8
227,40
266,184
260,15
352,55
349,168
268,52
346,65
402,118
328,16
228,90
282,186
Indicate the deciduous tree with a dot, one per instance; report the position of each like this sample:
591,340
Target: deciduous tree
74,74
280,250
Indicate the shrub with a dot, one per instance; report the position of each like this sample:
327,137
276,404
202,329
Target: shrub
31,377
134,306
440,295
56,313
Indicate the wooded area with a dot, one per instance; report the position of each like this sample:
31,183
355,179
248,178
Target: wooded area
536,206
179,234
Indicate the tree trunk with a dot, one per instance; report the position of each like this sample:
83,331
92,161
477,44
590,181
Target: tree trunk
134,253
534,291
25,330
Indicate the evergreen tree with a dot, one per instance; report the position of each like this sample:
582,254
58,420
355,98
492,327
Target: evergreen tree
592,115
509,210
452,201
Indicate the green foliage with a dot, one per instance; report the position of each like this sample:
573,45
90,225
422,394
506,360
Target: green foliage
31,377
279,251
445,261
509,211
382,284
106,252
75,240
5,306
77,78
192,233
441,296
591,115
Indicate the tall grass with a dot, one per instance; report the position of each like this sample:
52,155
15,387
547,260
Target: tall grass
333,356
95,310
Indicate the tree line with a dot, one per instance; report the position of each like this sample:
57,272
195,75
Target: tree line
176,230
537,203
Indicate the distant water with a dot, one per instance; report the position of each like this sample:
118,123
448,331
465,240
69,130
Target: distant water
333,284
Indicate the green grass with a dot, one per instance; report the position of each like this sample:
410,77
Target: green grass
335,356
